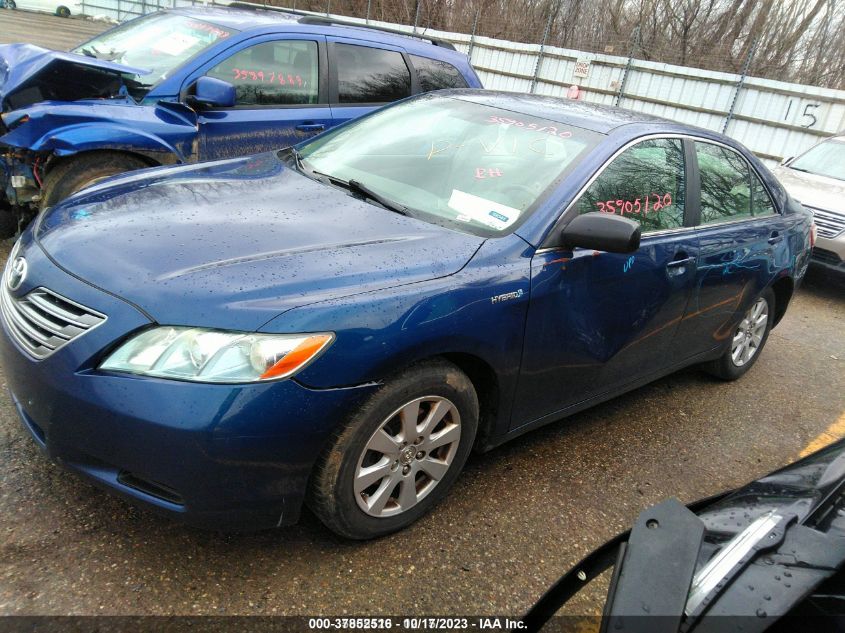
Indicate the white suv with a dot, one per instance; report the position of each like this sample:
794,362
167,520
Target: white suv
816,178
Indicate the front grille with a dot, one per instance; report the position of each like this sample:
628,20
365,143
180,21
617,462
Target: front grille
829,224
42,321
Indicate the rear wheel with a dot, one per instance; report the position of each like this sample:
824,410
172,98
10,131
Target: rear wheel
74,174
9,4
748,340
399,454
63,12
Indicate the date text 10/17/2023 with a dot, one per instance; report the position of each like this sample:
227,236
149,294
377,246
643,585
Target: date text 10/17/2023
416,623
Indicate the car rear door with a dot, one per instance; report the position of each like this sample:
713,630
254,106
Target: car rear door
597,321
364,76
741,240
281,84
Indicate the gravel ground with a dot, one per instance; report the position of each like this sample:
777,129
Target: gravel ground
516,520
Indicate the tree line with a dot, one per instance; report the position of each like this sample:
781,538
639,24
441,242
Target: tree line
792,40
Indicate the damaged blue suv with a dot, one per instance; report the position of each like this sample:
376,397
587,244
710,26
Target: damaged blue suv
192,85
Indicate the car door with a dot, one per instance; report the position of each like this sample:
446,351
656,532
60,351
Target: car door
281,88
740,236
599,321
364,77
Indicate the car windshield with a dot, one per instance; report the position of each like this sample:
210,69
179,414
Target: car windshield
451,161
825,159
160,43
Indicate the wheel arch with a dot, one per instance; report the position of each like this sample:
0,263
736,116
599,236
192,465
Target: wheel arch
58,160
487,387
783,290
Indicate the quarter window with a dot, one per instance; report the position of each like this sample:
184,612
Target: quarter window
437,75
370,75
273,73
761,202
644,183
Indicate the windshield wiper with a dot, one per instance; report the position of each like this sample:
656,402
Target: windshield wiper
353,186
366,192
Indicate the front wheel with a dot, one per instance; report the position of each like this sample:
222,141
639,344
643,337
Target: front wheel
8,4
78,172
399,454
748,339
63,12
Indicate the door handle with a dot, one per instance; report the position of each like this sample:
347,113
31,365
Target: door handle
675,263
310,127
678,267
775,238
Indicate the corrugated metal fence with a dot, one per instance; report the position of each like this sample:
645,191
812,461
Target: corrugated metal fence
774,119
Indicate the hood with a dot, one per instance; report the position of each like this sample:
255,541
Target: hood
819,192
31,74
233,244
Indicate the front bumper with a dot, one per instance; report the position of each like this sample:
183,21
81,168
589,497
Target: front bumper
830,254
231,457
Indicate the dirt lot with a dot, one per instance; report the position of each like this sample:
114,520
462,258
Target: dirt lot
516,520
46,30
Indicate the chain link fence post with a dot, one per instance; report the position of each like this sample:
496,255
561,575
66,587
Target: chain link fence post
740,84
635,43
417,15
472,36
328,7
369,4
540,53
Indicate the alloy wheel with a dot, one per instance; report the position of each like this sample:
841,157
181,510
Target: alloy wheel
407,456
749,334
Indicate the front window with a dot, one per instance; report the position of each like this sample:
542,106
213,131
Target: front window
473,167
272,73
159,43
644,183
825,159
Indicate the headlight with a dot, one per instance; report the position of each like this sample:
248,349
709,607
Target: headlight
215,355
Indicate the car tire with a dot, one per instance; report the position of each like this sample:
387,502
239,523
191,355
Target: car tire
78,172
409,472
63,12
10,4
748,340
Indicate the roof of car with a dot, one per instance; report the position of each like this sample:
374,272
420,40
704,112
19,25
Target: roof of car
588,116
243,17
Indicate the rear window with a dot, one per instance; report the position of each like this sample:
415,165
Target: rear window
370,75
437,75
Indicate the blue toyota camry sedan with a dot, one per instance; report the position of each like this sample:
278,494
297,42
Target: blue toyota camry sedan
341,322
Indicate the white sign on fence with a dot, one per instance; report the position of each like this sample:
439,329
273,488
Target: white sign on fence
582,68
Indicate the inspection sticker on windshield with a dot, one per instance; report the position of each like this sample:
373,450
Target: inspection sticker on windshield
175,43
492,214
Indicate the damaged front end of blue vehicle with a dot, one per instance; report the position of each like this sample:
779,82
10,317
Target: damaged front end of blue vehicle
55,104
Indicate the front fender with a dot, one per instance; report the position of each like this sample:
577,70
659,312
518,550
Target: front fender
167,132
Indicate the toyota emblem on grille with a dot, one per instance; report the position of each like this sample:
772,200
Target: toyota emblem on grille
17,273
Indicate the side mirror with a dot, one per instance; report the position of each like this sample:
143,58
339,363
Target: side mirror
785,162
602,232
209,92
